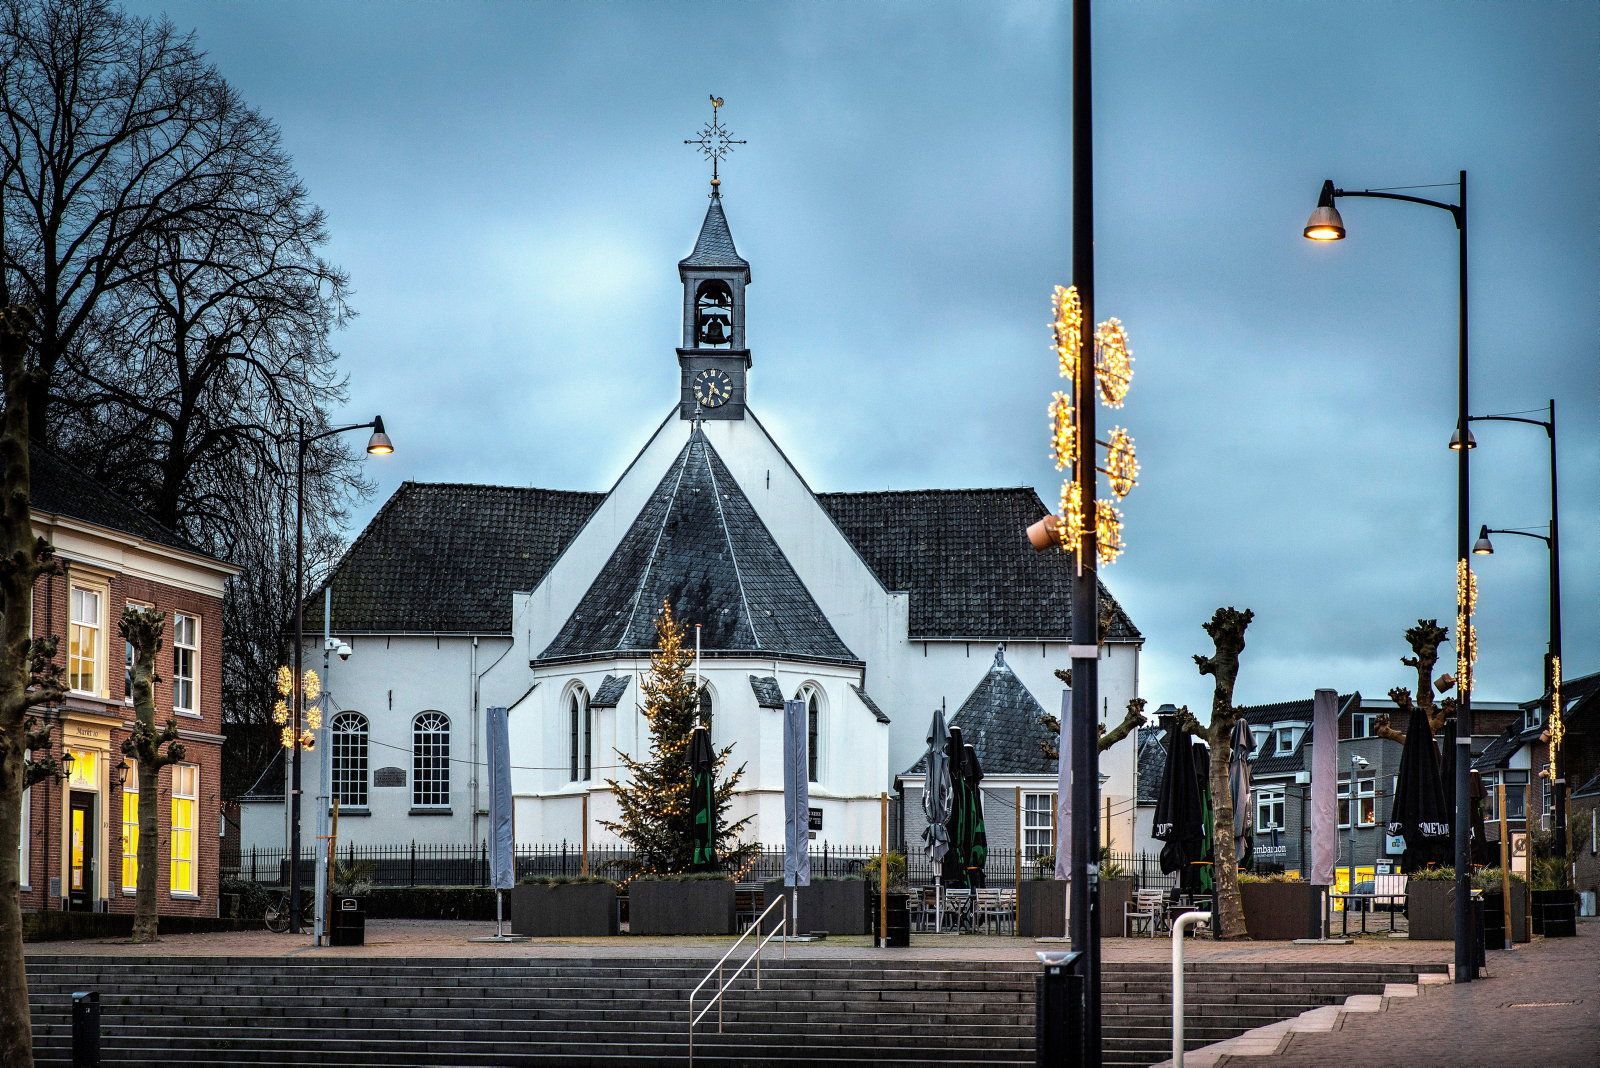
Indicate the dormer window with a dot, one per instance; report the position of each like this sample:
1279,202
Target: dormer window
1286,738
713,315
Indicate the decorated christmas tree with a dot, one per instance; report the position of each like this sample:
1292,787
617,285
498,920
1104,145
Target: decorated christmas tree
657,820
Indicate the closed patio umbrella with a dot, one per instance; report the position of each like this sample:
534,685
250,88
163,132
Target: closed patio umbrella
955,858
703,800
977,839
1420,812
1178,815
1243,745
936,801
1201,874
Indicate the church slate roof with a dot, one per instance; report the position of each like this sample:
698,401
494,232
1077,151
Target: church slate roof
965,559
872,706
609,692
60,488
714,247
1152,764
446,557
699,545
1004,722
766,690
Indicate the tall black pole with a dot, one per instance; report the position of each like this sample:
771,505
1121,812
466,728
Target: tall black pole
1558,764
1085,887
1465,956
299,643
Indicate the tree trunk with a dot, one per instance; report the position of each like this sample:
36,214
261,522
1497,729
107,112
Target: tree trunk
146,917
16,1029
1226,627
141,628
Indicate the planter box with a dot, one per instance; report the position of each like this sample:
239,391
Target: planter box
1280,912
1430,908
1494,917
563,910
1555,913
1042,907
688,906
837,906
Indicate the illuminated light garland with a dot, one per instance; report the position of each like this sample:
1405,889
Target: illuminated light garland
285,681
1558,729
1466,633
1069,524
280,712
1113,362
312,686
1067,329
1122,465
1063,433
1108,531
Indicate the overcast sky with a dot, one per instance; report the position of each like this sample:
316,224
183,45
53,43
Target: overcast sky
508,189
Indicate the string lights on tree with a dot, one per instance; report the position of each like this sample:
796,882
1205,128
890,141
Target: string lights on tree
1113,371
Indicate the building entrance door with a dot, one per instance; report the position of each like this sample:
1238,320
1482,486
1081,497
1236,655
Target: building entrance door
81,858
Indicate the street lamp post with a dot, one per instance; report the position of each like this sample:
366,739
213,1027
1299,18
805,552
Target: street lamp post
1357,765
1325,224
377,445
1552,679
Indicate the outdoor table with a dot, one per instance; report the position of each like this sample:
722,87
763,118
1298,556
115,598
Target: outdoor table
1365,903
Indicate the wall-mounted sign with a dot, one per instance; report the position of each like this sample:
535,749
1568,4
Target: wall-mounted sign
389,777
1394,844
1519,852
816,818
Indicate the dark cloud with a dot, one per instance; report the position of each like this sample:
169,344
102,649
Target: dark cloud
507,187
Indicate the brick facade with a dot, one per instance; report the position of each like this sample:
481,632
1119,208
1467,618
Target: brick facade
101,722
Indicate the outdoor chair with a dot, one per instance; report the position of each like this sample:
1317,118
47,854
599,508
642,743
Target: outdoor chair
957,909
1389,892
993,907
1143,912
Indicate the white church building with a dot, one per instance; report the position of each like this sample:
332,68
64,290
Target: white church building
873,608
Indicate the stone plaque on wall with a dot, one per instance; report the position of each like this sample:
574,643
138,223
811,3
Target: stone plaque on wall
389,777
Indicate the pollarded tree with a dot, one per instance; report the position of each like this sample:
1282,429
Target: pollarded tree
141,628
656,819
1424,639
1226,628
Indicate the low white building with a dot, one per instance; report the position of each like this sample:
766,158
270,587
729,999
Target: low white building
874,608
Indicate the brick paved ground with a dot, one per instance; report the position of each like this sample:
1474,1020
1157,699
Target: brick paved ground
417,938
1539,1005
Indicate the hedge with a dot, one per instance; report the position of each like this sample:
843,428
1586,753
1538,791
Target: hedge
429,903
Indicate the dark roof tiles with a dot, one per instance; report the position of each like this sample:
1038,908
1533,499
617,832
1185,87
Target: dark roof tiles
610,692
1004,722
714,247
965,558
59,487
872,706
766,690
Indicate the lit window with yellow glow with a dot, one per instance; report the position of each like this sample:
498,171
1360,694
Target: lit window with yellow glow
85,769
185,808
130,830
83,641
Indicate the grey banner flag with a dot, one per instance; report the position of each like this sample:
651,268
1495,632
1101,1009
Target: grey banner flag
796,796
501,876
1324,786
1064,789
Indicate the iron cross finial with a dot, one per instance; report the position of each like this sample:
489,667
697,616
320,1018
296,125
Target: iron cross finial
714,141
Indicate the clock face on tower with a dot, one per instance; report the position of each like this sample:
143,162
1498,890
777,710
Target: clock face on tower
713,388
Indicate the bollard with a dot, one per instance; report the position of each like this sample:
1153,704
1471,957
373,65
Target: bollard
86,1029
1178,927
1058,1011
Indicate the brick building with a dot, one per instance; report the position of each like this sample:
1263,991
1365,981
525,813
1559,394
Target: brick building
114,555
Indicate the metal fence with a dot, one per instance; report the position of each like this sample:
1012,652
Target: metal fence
421,864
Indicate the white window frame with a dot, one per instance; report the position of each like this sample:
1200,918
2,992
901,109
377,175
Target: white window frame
130,788
192,647
430,760
25,847
1038,825
1344,804
97,659
810,694
349,736
1362,723
1267,799
179,773
1366,792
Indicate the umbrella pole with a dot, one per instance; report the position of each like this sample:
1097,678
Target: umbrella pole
938,904
499,895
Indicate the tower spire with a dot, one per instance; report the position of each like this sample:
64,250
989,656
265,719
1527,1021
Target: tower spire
715,143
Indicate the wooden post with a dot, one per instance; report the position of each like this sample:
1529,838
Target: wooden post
1106,841
883,870
1505,862
1017,841
584,864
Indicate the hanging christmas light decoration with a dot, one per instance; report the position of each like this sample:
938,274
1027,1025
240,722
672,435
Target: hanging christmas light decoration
1113,362
285,681
1069,523
1466,633
1068,329
280,712
1122,465
1063,432
1108,531
310,711
1558,729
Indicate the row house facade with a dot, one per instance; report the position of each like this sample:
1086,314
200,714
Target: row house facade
80,830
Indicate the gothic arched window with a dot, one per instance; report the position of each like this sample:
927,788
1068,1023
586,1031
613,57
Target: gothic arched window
713,314
812,696
430,760
581,725
349,759
705,709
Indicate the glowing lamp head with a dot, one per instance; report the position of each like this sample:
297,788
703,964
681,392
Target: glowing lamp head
1483,546
1325,223
379,444
1455,440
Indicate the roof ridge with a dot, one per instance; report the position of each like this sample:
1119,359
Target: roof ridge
930,489
417,483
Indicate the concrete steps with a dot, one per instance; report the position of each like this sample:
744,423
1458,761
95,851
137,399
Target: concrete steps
403,1012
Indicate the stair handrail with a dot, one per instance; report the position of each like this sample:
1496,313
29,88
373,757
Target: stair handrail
782,905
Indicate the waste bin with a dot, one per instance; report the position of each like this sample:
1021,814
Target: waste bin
347,923
86,1029
897,932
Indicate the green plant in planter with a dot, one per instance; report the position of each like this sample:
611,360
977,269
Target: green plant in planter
1109,869
1433,875
685,877
1275,877
1488,879
1043,866
353,879
871,868
565,880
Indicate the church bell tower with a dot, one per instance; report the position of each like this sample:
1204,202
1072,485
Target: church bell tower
714,361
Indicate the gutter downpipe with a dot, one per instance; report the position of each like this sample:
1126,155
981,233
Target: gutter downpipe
1178,925
472,670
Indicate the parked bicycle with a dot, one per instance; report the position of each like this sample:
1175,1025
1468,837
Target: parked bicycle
278,913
